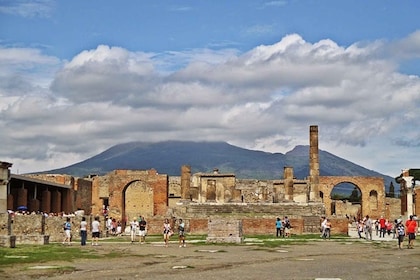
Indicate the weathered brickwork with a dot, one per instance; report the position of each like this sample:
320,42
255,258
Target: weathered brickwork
371,188
225,230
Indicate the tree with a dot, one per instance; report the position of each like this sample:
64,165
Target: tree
355,197
391,190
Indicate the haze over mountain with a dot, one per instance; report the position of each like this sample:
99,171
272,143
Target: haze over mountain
168,157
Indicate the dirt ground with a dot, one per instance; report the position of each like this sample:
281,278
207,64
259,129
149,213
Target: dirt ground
329,259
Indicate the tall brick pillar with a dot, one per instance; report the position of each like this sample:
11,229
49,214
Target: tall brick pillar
22,199
288,182
46,201
313,163
10,202
185,182
68,201
56,201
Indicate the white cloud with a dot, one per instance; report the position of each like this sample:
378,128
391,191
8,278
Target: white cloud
265,99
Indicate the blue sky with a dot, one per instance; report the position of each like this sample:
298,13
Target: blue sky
77,77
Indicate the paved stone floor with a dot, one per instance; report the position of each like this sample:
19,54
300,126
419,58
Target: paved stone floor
315,259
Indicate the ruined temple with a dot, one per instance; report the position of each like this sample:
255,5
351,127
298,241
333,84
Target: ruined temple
202,198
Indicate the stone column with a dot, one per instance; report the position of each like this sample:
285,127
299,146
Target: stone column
4,182
288,183
185,182
313,163
409,186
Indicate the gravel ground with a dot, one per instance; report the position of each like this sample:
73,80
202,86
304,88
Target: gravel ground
317,259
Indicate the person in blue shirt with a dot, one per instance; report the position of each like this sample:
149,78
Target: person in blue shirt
67,232
279,226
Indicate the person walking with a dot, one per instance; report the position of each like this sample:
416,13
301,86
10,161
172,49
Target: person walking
67,232
133,229
323,223
96,225
279,226
181,232
327,229
382,227
368,228
400,233
411,229
167,232
142,230
83,231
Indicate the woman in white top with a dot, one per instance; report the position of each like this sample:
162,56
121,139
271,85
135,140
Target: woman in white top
134,226
83,231
167,232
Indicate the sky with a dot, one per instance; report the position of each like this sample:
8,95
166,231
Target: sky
78,77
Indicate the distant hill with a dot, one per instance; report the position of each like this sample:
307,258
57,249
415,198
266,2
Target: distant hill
168,157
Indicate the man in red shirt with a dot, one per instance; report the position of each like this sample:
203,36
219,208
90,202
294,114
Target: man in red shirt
411,229
382,227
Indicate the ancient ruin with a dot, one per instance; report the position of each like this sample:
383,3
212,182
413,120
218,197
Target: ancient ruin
199,198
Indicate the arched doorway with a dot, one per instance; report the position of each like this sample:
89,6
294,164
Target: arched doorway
346,200
137,200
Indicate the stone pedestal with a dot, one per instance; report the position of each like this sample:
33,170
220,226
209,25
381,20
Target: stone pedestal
225,231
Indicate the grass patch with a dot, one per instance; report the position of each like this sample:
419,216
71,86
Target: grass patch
45,253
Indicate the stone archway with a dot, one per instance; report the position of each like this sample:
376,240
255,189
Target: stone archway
372,190
137,200
345,205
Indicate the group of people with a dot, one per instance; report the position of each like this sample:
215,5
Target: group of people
95,227
398,229
283,227
138,226
168,232
113,226
325,228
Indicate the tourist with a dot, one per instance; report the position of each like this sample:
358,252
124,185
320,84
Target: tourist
382,227
324,221
368,228
388,225
287,226
181,232
411,229
67,232
83,231
108,225
400,232
119,228
327,229
279,226
167,232
95,231
376,227
133,229
142,230
359,226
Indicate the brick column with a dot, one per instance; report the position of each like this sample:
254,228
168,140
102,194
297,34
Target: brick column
46,201
313,163
56,201
22,199
185,182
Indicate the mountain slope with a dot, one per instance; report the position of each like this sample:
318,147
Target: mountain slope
168,157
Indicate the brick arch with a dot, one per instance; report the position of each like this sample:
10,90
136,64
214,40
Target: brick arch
137,199
113,185
368,186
